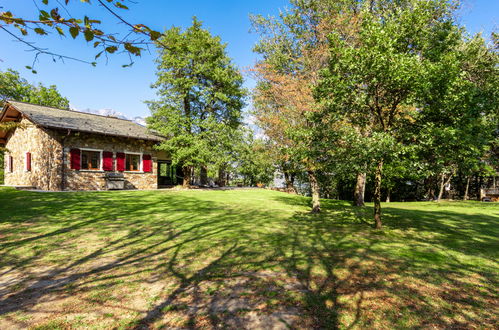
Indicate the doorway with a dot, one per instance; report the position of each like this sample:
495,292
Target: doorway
166,173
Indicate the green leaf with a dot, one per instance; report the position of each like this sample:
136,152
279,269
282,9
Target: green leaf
40,31
155,35
61,32
111,49
120,5
89,35
98,55
132,49
74,31
97,43
45,2
54,13
44,16
23,31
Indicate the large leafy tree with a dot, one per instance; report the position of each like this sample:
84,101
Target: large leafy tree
293,50
397,53
200,97
458,125
13,86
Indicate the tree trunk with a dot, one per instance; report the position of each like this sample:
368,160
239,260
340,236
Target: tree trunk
186,183
443,183
203,175
290,182
430,183
388,193
466,190
360,189
479,188
314,186
221,177
377,195
441,189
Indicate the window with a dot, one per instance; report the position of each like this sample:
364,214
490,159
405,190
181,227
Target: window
132,162
90,160
10,164
27,162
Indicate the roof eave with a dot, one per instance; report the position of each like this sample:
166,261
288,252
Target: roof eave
7,103
159,139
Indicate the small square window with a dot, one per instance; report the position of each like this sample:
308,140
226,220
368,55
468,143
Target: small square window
132,163
90,160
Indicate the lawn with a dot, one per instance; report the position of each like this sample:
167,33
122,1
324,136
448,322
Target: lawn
242,259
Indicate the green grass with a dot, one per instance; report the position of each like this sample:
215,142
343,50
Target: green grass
181,258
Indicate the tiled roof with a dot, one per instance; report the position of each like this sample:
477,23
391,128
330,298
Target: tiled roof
83,122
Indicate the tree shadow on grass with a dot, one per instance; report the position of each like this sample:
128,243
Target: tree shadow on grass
215,265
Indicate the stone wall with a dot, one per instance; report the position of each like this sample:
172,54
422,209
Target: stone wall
45,152
94,180
46,148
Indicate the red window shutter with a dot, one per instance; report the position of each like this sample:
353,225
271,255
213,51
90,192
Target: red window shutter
107,161
75,159
120,162
28,161
146,163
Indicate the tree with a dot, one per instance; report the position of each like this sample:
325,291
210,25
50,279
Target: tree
462,117
293,49
14,87
52,17
253,161
379,73
200,97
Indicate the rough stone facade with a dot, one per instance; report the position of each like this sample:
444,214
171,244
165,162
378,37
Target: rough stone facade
47,157
94,180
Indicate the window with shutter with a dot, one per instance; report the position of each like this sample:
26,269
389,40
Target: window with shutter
133,162
120,161
147,163
75,159
28,162
11,164
90,160
107,161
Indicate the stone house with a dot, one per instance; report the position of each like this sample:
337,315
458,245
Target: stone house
54,149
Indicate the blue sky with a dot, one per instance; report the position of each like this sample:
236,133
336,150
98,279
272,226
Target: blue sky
124,89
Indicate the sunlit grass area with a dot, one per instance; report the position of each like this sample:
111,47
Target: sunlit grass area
242,259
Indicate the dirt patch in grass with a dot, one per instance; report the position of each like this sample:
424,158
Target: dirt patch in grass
248,301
